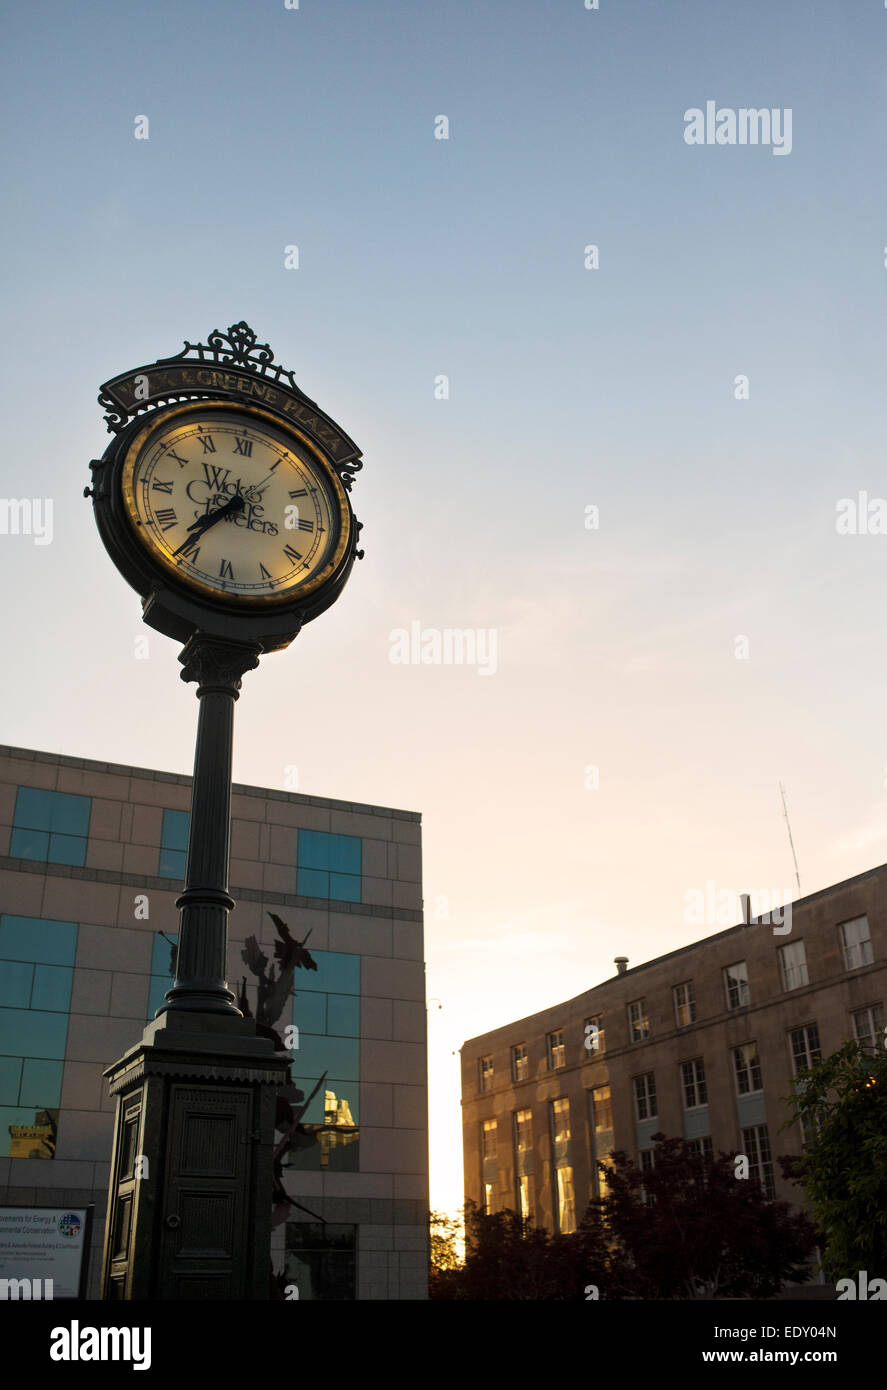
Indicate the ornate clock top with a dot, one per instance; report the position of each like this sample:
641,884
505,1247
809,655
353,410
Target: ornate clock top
233,366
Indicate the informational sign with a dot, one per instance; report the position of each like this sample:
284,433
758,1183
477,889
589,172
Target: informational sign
43,1244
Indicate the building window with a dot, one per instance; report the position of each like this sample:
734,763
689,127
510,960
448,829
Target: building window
524,1197
520,1065
594,1036
601,1109
163,972
523,1131
756,1142
329,866
36,975
638,1022
50,826
685,1004
747,1066
806,1051
856,943
557,1056
868,1025
485,1074
648,1163
489,1198
560,1122
793,964
701,1146
488,1138
321,1260
566,1204
326,1011
736,985
645,1096
693,1078
174,844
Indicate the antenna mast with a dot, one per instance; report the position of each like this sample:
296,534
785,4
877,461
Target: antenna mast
790,840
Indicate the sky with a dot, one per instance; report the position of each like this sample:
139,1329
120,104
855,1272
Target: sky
617,394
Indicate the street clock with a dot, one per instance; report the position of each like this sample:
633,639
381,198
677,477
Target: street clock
224,497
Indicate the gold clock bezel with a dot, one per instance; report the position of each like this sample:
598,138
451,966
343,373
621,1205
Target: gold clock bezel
159,425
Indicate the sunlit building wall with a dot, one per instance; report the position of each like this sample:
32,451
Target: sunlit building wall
701,1043
92,858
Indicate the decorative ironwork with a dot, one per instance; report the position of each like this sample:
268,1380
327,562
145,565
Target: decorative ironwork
238,345
234,365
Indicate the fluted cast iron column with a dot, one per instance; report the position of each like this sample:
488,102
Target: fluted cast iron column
201,961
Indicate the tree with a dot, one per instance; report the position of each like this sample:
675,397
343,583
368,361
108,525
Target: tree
507,1257
842,1102
690,1228
446,1235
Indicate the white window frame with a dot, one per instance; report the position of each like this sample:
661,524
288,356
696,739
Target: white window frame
566,1200
639,1022
793,965
644,1087
602,1129
742,985
598,1021
698,1083
686,1004
808,1050
489,1127
747,1069
553,1047
515,1060
758,1166
875,1022
856,953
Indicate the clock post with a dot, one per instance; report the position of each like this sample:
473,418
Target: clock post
193,504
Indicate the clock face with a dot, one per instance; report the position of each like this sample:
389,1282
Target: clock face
232,502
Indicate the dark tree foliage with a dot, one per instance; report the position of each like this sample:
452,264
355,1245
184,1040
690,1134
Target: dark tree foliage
691,1228
842,1101
688,1229
508,1258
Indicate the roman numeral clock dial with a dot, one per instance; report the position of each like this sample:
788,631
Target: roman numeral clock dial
235,504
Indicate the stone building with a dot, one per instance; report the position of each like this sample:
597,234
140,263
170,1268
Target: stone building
700,1043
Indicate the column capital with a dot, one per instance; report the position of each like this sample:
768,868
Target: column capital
216,664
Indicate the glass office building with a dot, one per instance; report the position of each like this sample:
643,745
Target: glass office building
92,858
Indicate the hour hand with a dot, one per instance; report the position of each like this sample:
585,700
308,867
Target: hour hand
203,523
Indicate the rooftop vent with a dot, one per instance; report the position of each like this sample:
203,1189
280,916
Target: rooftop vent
621,963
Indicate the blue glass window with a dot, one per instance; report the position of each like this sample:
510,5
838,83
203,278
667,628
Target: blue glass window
36,973
174,844
326,1010
329,866
37,940
41,1082
52,987
10,1079
337,973
50,826
30,1033
162,977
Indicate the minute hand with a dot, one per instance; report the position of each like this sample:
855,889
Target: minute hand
203,523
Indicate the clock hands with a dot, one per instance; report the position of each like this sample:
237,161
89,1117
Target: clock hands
203,523
259,487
